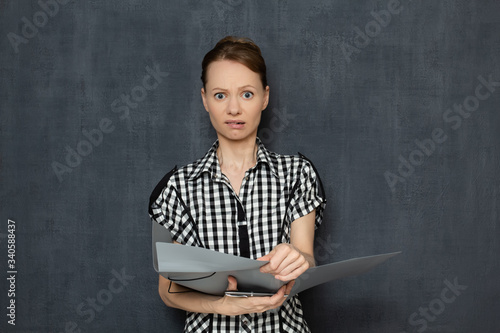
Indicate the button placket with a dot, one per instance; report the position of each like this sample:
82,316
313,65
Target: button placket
246,185
245,323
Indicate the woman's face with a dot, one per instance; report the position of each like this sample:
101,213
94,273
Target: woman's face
234,98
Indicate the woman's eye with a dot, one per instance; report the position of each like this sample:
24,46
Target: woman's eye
247,95
219,96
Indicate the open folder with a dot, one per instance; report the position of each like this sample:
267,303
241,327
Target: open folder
207,270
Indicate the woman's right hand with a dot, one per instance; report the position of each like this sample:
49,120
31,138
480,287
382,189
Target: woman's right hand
233,306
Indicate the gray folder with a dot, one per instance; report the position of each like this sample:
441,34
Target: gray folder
207,270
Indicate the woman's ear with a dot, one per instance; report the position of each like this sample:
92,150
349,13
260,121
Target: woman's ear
266,98
204,98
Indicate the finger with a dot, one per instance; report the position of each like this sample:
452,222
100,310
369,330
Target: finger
294,274
232,284
278,298
289,287
293,261
290,264
271,302
282,295
265,258
268,256
285,259
275,261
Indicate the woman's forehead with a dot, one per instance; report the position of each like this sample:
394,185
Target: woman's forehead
225,73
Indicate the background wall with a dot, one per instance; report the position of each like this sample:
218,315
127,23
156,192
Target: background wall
395,102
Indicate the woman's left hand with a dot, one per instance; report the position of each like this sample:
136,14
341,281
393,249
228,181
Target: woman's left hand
286,262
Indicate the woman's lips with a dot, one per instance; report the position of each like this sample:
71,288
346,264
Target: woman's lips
235,124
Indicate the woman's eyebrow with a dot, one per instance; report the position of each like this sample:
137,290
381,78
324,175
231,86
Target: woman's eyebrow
239,88
246,86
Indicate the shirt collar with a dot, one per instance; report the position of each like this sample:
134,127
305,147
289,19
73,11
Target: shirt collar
210,163
265,156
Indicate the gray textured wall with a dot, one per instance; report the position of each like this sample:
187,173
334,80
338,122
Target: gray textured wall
357,86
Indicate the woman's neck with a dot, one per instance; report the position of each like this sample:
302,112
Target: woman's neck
237,156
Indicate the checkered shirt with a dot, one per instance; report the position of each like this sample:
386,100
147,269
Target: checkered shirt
199,208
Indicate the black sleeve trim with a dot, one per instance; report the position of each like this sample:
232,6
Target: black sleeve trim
159,187
321,188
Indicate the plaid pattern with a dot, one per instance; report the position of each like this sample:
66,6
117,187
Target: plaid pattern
199,208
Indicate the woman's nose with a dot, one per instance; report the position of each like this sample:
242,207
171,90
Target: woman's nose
233,106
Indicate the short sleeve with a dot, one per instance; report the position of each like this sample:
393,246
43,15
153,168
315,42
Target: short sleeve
170,211
306,196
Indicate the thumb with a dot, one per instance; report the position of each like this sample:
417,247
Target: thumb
265,258
268,256
232,284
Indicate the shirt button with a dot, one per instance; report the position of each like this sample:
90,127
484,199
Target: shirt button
245,322
246,177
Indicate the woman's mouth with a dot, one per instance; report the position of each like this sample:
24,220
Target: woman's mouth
235,124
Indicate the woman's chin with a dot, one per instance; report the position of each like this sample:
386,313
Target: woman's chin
238,136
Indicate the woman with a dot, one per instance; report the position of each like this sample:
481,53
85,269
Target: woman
241,199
